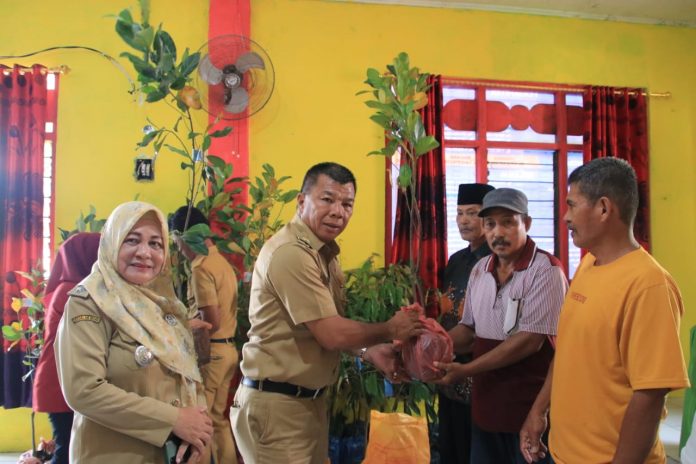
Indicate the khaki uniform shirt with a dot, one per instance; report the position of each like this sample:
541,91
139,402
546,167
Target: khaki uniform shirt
296,279
214,283
123,412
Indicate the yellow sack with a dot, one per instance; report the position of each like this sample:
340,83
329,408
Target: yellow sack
397,438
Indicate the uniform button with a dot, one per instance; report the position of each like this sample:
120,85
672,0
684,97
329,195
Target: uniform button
500,296
176,403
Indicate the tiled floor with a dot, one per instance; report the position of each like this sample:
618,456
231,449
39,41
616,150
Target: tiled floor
670,430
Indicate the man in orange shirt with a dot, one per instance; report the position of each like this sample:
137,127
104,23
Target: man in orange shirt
618,351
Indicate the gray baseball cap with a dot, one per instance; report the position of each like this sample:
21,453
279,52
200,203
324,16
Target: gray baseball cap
507,198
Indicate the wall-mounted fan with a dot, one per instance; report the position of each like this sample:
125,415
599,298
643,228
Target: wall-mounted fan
239,74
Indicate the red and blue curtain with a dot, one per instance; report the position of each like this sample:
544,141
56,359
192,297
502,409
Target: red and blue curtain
432,243
24,106
616,124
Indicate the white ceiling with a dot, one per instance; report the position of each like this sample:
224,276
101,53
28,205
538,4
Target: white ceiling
665,12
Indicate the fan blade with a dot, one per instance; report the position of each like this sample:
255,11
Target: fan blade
208,72
239,99
249,60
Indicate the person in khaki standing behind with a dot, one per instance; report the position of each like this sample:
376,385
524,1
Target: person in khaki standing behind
213,289
279,414
125,356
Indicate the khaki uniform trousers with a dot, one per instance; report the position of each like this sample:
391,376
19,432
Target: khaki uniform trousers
217,375
273,428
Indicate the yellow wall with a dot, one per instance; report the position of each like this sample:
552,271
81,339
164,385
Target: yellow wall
99,122
16,429
320,51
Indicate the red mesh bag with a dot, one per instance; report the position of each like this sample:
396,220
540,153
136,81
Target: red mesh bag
419,353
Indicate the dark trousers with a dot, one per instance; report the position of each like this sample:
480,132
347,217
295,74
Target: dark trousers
499,448
455,431
62,424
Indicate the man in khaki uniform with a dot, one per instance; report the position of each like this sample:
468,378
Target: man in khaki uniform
213,289
298,329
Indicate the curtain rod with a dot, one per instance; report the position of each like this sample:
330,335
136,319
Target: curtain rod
62,69
567,88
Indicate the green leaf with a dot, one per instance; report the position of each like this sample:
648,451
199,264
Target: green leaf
405,176
179,83
382,120
216,161
189,63
374,79
221,132
287,197
127,29
385,107
412,121
155,95
178,151
165,64
64,234
10,333
391,148
206,143
143,37
141,66
146,89
163,45
195,237
147,138
144,11
426,144
220,199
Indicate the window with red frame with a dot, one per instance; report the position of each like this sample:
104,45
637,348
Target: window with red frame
48,173
520,135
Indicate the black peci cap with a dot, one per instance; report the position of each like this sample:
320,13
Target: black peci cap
472,194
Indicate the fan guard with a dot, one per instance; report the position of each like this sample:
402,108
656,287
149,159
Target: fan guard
239,76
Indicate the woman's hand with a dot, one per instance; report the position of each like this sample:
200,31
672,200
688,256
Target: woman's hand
195,427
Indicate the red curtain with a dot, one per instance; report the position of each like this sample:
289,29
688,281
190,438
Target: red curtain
432,244
617,125
23,110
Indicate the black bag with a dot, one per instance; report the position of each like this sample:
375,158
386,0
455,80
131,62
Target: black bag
171,446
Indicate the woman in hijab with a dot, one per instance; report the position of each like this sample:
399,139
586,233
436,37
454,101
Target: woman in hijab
125,355
73,263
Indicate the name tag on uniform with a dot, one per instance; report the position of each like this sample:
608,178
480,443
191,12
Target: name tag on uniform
86,317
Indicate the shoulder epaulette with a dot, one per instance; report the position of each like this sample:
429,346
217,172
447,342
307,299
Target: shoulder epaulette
79,291
304,241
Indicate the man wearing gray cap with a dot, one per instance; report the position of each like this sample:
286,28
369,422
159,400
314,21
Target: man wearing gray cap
454,410
511,311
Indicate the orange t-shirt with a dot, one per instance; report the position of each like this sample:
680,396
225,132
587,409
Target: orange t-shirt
618,332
